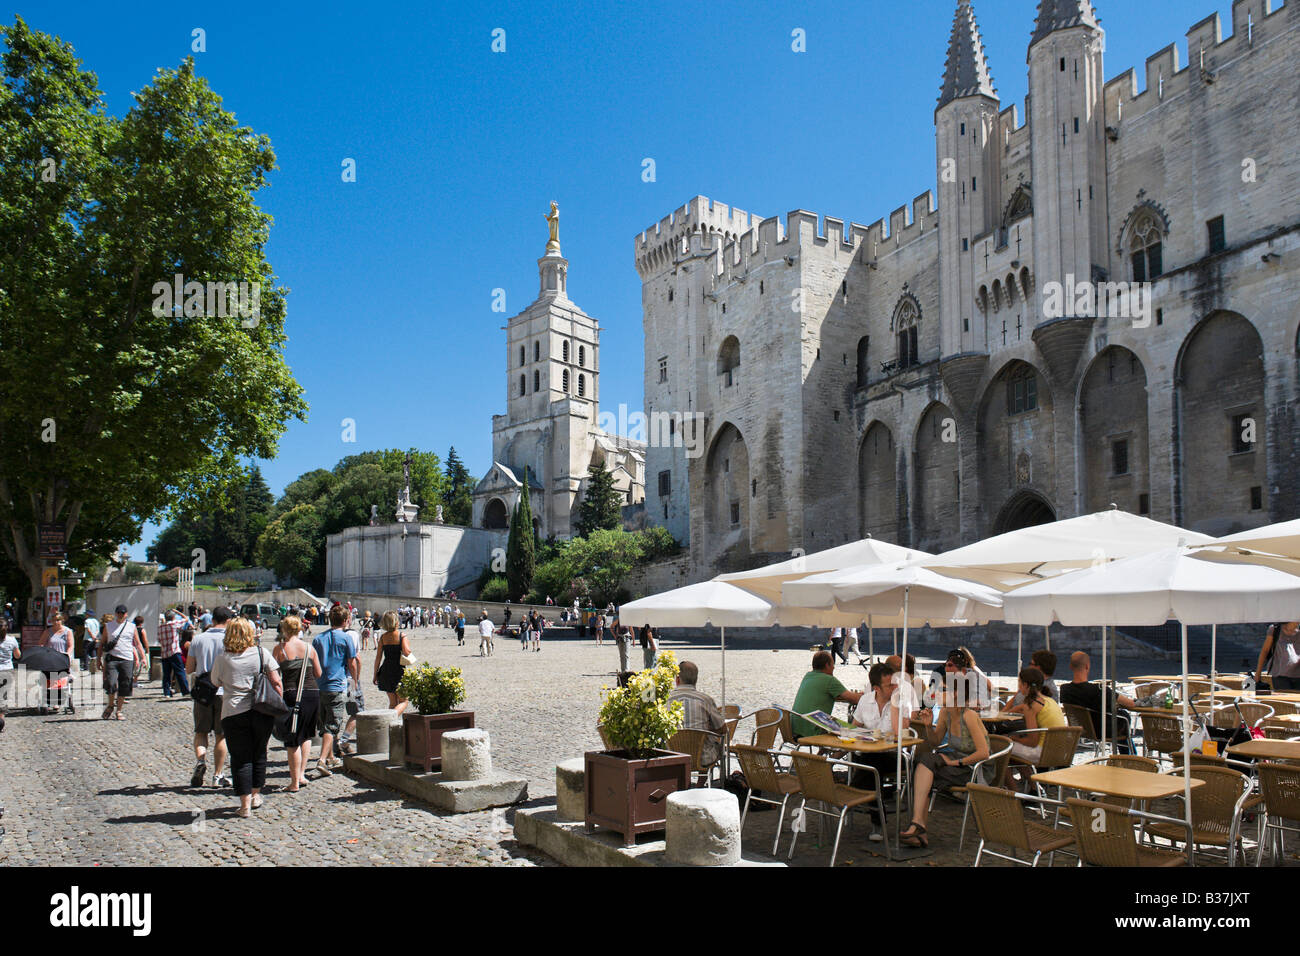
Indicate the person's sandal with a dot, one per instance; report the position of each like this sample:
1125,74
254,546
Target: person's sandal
916,838
323,770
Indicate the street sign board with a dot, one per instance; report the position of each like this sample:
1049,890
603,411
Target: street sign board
51,539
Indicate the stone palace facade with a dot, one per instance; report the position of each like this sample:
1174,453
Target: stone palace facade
1100,308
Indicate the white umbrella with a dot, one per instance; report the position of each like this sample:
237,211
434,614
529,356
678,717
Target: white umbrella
1149,589
766,582
1011,560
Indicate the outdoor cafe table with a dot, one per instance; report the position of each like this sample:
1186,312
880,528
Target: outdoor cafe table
1267,749
1171,678
1263,698
1119,782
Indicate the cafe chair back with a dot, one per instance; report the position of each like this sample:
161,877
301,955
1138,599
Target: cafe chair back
766,783
691,743
817,782
1105,835
1279,785
1217,806
1000,819
767,721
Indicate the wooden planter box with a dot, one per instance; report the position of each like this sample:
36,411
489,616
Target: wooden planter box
631,795
424,732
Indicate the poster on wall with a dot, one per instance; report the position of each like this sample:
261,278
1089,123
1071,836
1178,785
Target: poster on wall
51,540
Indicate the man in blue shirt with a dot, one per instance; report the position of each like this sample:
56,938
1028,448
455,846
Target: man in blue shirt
338,661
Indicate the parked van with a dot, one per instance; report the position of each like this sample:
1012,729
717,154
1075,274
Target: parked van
262,615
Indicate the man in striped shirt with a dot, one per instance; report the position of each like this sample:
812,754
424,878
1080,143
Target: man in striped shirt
701,712
169,639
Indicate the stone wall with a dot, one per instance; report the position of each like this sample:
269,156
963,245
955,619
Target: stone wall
416,559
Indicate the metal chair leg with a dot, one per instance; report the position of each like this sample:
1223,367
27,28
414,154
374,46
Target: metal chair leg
795,839
965,814
779,821
980,852
838,828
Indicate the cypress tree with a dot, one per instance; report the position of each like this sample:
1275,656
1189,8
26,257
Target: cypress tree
520,555
601,508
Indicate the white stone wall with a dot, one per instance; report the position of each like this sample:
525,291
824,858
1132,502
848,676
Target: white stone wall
413,559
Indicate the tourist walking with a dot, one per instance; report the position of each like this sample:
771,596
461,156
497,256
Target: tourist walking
141,661
460,628
600,629
10,651
1280,656
538,623
58,638
199,659
169,643
393,645
337,654
649,646
851,642
247,730
837,644
119,650
299,665
485,628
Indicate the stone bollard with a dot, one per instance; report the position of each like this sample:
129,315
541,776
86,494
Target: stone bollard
466,755
703,828
571,789
372,730
397,741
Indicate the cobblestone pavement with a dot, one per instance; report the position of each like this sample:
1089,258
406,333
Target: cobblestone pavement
84,791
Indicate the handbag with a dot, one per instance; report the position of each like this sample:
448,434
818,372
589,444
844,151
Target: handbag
266,700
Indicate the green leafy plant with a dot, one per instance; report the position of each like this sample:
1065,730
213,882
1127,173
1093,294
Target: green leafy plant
433,690
639,717
497,588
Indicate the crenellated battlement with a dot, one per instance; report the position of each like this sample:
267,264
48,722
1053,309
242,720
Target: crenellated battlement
1254,23
712,222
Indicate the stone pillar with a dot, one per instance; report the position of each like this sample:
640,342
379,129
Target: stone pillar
372,730
571,789
397,741
466,755
703,828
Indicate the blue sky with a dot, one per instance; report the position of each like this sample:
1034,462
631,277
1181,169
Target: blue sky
459,150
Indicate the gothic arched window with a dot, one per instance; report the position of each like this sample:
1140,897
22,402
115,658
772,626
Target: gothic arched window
582,386
565,351
864,365
523,385
523,356
537,380
729,359
565,378
582,355
537,351
907,317
1146,247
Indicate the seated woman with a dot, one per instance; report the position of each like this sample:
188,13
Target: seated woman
948,766
1040,711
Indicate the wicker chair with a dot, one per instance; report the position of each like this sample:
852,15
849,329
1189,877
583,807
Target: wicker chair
989,771
1114,843
1081,717
1229,716
817,782
1161,734
767,722
1146,690
1216,811
731,714
1279,731
1000,818
761,774
788,738
1283,708
691,743
1279,785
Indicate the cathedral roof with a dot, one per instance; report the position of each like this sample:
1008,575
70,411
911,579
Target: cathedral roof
966,72
1056,15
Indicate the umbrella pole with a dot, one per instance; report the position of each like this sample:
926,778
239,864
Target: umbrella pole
1047,635
1187,760
904,628
726,744
1214,656
1020,647
898,763
1104,686
871,640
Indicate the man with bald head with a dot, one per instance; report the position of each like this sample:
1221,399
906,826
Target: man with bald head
1081,693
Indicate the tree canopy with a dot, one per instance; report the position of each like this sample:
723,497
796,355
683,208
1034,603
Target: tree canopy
601,508
120,409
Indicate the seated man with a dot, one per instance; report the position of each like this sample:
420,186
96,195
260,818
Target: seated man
701,711
1084,694
819,690
1045,661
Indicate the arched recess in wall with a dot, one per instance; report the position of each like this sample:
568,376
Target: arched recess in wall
1222,426
1015,424
728,360
936,463
726,503
495,515
878,484
1113,426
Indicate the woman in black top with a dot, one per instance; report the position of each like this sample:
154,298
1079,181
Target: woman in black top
393,646
296,658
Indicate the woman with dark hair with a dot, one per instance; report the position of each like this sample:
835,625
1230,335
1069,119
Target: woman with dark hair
949,766
1281,655
57,637
649,646
1040,711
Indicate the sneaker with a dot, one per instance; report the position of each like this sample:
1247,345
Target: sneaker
221,780
196,778
335,763
876,837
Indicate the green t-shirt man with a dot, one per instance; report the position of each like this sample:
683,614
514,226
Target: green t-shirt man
818,691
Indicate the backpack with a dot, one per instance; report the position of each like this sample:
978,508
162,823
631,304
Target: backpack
202,689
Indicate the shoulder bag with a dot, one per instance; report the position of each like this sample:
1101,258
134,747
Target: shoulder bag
266,700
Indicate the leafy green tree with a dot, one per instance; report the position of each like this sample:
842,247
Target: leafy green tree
460,491
601,507
520,546
293,546
95,211
604,559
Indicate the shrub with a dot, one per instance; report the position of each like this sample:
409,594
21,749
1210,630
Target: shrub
639,717
496,589
433,690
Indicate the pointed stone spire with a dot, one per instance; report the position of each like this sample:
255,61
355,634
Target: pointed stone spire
1056,15
966,72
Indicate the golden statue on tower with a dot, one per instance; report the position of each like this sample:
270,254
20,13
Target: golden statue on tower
553,220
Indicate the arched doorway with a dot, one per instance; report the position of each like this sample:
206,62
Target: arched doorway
936,461
1113,420
1024,510
1016,424
495,516
878,484
726,505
